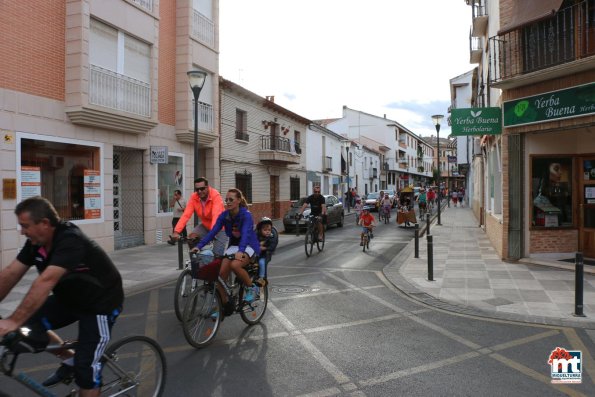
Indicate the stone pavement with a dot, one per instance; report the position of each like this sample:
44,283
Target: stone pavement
470,278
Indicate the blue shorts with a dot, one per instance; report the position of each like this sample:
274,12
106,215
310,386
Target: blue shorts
94,333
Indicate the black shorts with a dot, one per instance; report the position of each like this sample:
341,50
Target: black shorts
94,333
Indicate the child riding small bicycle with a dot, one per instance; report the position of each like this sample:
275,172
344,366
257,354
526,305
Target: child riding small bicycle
367,222
385,205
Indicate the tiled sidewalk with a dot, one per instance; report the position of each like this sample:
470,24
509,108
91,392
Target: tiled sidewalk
470,277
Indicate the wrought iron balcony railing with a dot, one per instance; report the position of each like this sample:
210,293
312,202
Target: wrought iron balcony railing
242,136
566,37
277,143
203,29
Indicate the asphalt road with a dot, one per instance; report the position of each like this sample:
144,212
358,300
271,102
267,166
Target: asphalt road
336,326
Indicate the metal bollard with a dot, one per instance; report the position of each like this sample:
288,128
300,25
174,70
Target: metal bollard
416,241
180,254
430,239
578,285
427,223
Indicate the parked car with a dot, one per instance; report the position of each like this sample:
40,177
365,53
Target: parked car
371,200
334,212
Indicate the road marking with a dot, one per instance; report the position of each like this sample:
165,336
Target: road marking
535,375
331,368
420,368
522,341
310,295
588,364
152,312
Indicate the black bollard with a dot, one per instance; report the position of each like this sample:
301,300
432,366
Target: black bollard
180,254
578,285
430,239
427,223
416,241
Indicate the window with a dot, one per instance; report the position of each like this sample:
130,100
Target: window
551,191
170,177
120,70
297,138
244,183
242,125
67,174
294,188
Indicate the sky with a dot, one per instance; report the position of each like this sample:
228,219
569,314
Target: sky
382,57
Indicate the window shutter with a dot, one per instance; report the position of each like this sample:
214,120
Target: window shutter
103,46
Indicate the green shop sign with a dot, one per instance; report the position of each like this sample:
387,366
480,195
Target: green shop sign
555,105
476,121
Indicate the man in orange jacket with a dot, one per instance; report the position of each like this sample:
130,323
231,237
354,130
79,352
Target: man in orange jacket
207,203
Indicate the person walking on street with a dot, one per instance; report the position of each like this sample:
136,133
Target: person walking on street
207,204
77,283
178,204
455,197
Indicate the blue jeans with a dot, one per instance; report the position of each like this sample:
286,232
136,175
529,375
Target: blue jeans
262,267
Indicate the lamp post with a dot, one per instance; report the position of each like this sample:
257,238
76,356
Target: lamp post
348,196
436,119
197,79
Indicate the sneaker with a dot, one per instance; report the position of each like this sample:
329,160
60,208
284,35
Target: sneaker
170,241
251,293
64,374
261,282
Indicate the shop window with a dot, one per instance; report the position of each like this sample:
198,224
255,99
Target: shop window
551,191
67,174
169,178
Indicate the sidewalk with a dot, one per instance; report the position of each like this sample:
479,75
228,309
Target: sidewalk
141,267
470,278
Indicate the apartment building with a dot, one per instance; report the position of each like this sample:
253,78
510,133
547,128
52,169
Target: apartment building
541,56
323,156
96,112
262,150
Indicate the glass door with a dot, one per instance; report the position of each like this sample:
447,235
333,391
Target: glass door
587,207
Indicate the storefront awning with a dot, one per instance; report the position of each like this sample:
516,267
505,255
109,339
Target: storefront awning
526,12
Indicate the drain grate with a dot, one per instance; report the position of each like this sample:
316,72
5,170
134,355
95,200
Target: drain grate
289,289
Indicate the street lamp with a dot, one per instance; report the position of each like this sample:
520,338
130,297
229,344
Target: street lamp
348,196
436,119
197,79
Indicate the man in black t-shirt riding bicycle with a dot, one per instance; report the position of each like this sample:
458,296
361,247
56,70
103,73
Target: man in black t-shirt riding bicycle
317,208
86,288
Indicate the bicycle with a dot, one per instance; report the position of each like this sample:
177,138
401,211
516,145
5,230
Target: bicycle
134,365
204,310
185,284
312,235
385,213
366,239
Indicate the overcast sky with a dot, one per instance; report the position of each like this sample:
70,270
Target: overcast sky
392,57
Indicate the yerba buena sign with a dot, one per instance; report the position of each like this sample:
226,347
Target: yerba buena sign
476,121
555,105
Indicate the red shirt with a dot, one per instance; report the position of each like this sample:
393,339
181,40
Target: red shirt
366,219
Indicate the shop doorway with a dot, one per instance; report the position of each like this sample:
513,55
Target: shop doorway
587,206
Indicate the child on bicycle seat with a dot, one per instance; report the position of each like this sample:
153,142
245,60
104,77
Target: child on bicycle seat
367,221
268,242
358,207
385,203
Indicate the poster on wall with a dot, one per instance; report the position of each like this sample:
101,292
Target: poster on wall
30,181
92,193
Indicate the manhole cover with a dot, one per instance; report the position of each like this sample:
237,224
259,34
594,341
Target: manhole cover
289,289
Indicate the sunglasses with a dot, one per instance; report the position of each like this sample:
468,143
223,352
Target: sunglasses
200,189
229,200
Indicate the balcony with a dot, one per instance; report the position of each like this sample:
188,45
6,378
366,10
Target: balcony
206,132
327,164
474,49
203,29
559,46
480,18
115,101
276,150
242,136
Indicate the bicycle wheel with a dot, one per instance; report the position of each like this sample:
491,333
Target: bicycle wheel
309,242
251,313
368,244
183,290
134,366
320,244
202,316
365,241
